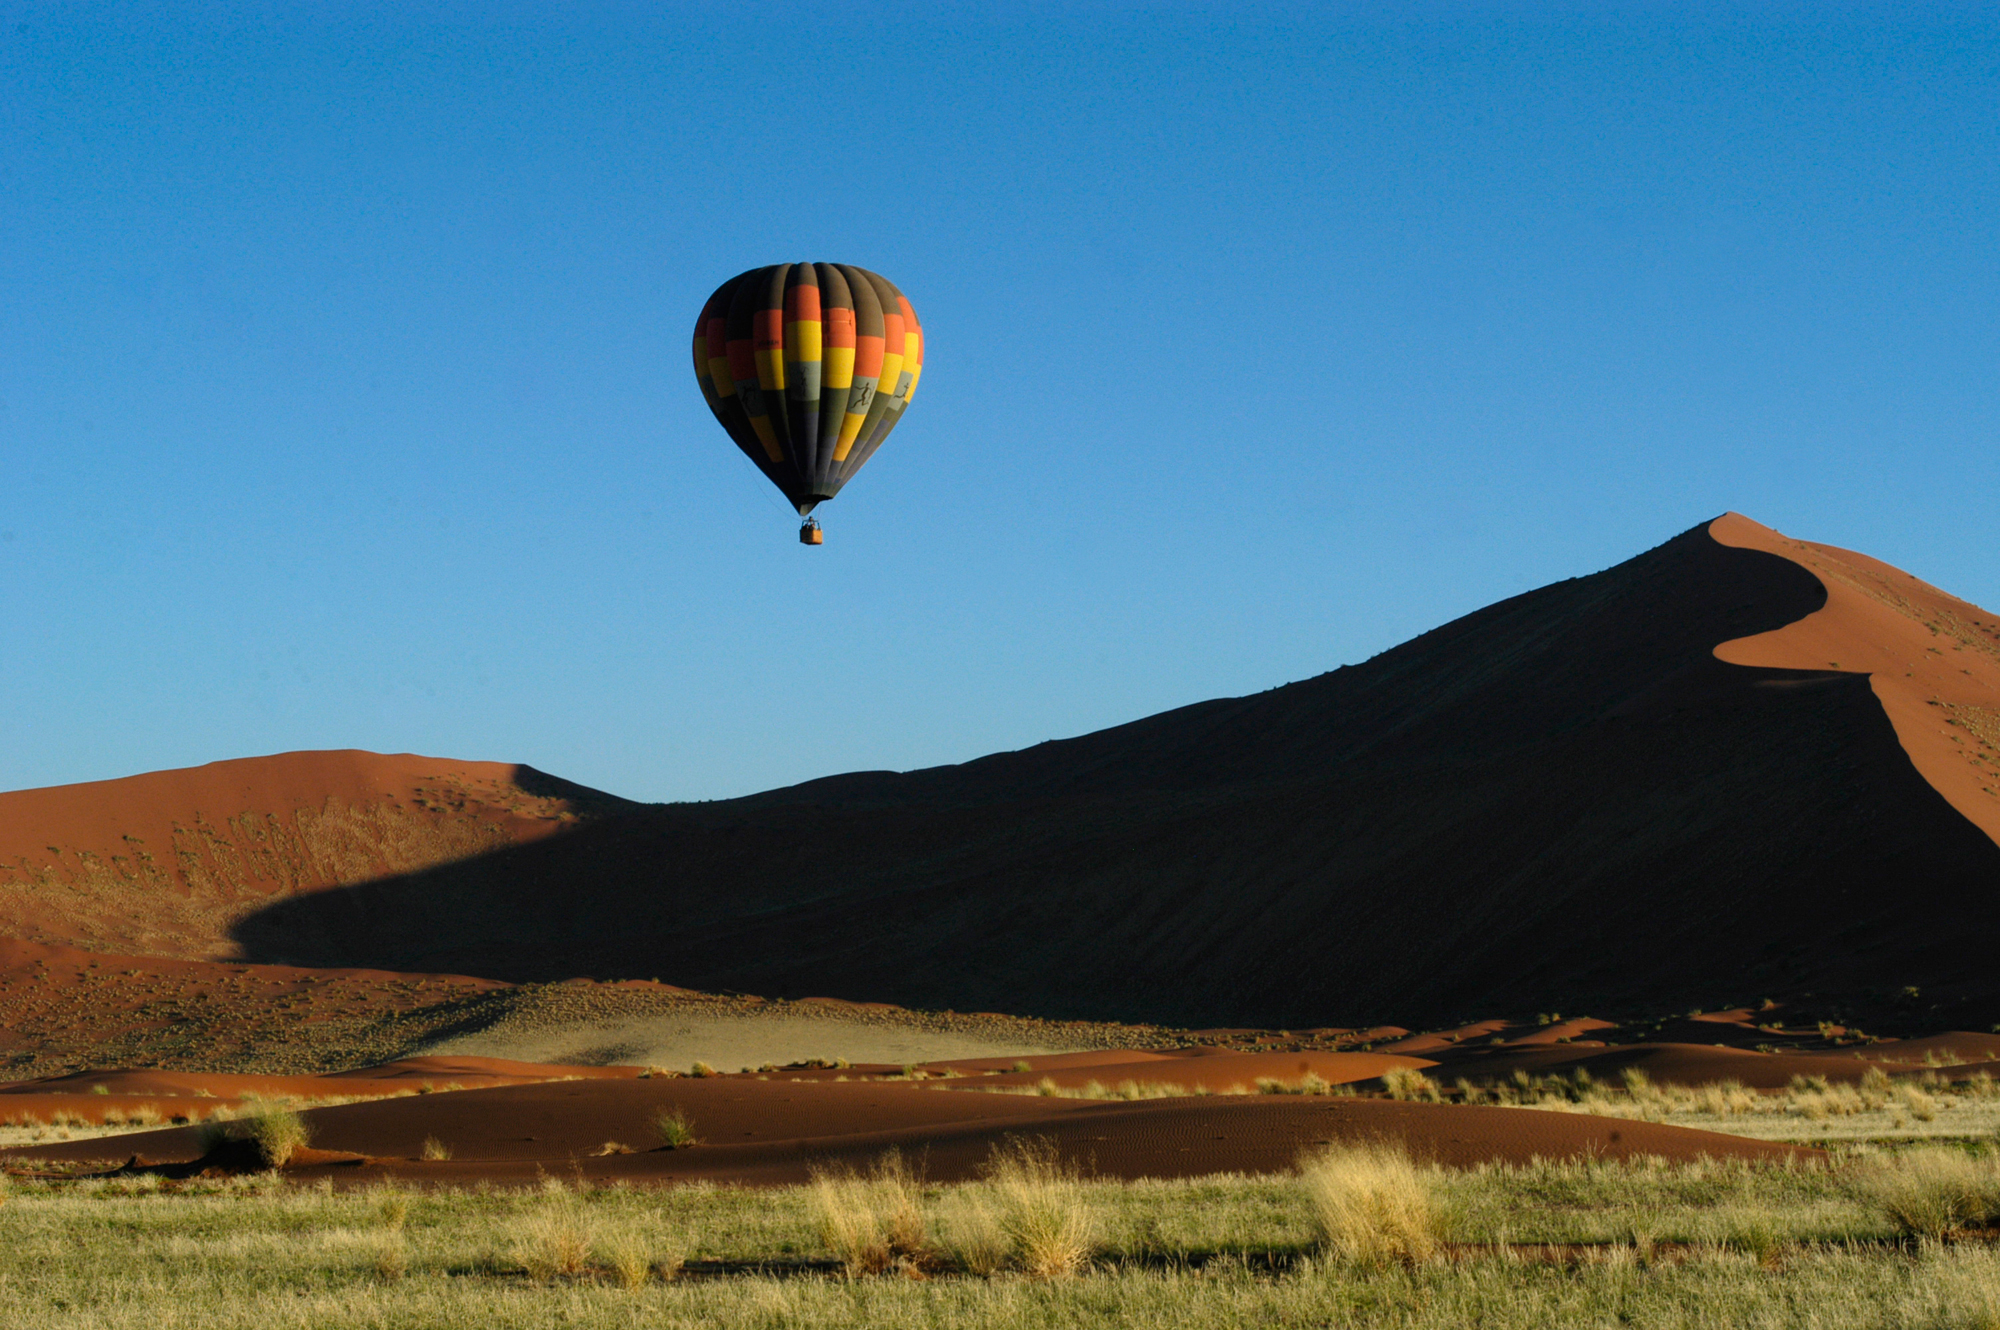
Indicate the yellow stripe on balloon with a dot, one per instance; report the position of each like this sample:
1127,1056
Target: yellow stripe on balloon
802,340
765,436
850,429
718,374
915,374
839,371
771,370
892,370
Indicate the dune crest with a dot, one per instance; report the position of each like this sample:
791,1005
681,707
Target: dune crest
1932,660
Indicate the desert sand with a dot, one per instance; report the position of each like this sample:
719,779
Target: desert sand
163,863
1931,659
776,1128
1615,792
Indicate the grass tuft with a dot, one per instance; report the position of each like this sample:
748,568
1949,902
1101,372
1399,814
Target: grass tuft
1049,1225
553,1238
872,1222
1372,1205
674,1128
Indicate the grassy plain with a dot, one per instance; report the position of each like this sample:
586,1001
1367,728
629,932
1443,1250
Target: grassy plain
1648,1244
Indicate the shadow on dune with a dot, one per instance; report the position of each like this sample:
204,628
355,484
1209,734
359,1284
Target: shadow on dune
1562,798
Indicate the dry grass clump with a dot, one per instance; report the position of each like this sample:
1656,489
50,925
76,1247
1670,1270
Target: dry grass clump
1049,1226
553,1238
275,1133
1934,1190
1411,1083
1372,1204
875,1221
435,1150
674,1128
1029,1213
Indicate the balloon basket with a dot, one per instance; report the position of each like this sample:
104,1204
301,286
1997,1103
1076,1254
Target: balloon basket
810,534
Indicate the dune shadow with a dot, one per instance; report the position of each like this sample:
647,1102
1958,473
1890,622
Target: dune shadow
1561,798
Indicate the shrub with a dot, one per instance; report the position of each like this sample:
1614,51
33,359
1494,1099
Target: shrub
1050,1228
702,1069
277,1134
872,1221
1372,1204
435,1149
674,1128
1409,1083
553,1239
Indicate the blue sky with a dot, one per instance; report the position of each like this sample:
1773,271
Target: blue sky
344,396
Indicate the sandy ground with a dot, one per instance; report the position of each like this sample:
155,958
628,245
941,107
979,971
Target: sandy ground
776,1129
730,1042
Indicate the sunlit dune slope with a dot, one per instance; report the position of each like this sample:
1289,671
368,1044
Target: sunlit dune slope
162,864
1565,799
1932,660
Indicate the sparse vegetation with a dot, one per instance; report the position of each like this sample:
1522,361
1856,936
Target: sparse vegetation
674,1128
1932,1191
1647,1243
276,1134
1044,1213
875,1221
1372,1205
435,1149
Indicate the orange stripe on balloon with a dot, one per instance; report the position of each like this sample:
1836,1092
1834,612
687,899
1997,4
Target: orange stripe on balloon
867,357
802,304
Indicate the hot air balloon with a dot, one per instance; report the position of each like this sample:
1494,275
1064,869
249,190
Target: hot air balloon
808,366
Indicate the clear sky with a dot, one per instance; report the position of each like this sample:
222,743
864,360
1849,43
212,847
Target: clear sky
345,398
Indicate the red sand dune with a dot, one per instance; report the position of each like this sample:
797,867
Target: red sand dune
96,1097
1575,799
1219,1071
775,1132
1932,660
162,863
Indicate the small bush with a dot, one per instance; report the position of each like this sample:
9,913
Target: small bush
872,1221
1372,1204
553,1239
1050,1228
1410,1083
277,1134
702,1069
674,1128
435,1150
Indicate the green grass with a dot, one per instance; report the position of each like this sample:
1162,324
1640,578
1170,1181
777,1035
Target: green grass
1706,1244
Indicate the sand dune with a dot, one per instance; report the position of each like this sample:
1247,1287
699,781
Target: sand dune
163,863
1932,660
1568,799
768,1132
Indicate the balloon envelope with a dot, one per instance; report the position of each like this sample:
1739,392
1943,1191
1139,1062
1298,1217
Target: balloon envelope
808,366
